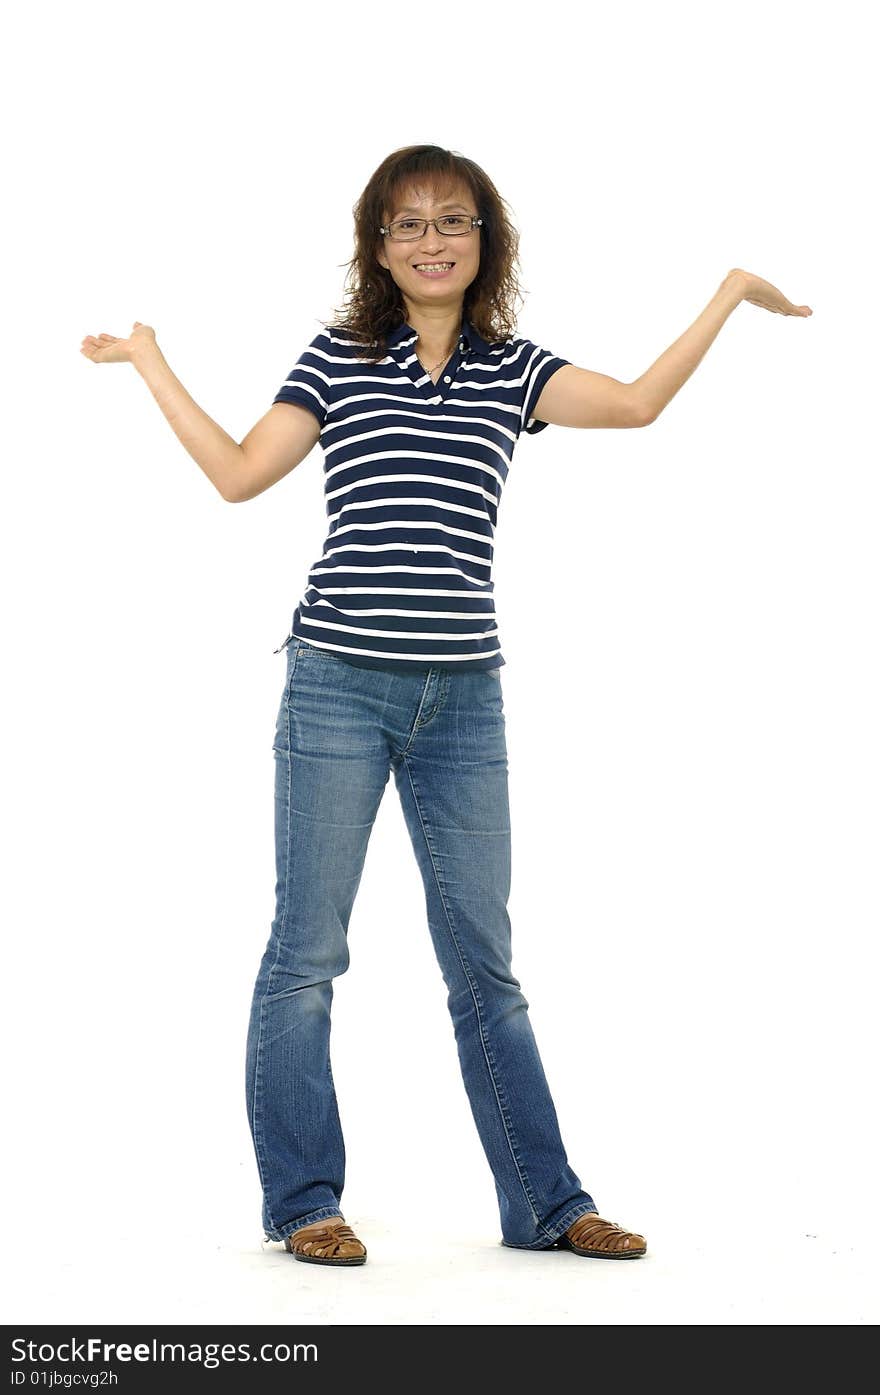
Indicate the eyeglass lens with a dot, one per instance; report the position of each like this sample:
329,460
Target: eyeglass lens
409,229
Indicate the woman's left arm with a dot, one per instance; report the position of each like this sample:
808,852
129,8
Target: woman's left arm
657,387
580,397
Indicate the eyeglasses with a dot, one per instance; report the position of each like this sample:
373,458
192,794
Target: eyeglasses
411,229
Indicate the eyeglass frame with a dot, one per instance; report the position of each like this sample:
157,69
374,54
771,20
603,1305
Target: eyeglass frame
432,222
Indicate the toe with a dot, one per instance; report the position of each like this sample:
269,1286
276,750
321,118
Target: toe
632,1241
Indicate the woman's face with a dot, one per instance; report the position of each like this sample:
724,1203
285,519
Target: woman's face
401,259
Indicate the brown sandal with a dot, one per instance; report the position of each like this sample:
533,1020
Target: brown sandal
330,1241
590,1235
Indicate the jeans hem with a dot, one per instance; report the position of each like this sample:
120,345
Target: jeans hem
301,1221
555,1230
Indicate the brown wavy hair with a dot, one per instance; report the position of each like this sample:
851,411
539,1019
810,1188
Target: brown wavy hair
375,305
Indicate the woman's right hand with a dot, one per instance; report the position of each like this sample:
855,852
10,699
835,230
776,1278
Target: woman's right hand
107,349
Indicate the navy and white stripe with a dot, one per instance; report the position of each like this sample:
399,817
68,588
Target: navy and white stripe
413,474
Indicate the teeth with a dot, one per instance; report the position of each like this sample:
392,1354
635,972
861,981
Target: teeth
434,266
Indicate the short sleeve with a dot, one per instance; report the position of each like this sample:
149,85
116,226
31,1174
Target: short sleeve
539,365
308,382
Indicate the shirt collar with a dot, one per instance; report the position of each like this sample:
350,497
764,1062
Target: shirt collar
473,340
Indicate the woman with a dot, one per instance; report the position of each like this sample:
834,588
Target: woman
418,398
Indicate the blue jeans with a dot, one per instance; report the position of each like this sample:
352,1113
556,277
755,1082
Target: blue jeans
340,730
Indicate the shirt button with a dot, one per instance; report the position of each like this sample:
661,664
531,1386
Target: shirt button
447,379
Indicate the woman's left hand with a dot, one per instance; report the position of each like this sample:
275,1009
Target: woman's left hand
759,292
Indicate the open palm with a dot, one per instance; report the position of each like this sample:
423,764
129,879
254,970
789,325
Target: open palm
106,348
757,291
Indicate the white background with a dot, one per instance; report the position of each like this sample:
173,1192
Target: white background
688,613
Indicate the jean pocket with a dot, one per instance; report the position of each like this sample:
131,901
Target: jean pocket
313,651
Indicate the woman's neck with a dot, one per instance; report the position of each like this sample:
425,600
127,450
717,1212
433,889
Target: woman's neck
437,335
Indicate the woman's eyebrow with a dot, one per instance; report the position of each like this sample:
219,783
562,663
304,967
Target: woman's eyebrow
456,203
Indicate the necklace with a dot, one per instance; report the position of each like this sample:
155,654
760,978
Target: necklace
430,370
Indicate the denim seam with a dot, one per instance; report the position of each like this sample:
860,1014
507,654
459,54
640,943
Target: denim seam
258,1077
439,700
415,726
490,1062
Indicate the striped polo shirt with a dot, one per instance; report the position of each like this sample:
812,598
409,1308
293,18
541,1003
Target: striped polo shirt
413,474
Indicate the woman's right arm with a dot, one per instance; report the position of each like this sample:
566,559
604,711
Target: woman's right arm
276,445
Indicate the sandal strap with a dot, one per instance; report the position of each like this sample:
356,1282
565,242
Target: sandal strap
592,1232
325,1240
